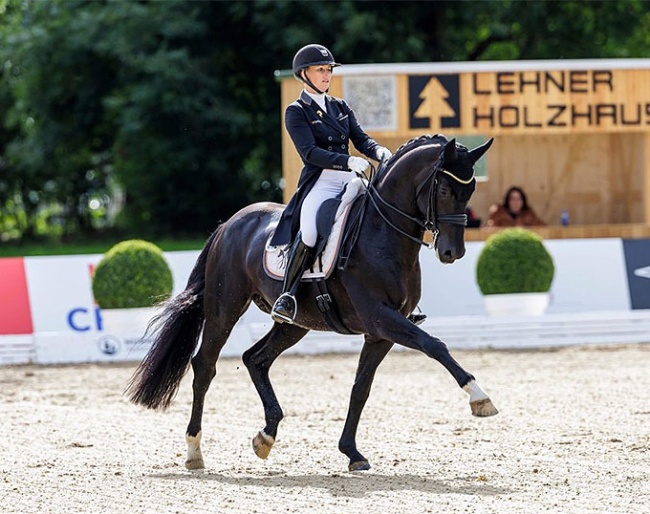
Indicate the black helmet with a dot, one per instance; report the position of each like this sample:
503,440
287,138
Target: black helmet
312,55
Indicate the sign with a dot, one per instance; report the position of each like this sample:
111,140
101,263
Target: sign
374,101
434,102
15,314
600,100
637,263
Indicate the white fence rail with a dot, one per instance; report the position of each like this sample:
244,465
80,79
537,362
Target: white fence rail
458,332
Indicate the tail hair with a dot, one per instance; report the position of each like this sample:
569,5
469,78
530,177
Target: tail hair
175,334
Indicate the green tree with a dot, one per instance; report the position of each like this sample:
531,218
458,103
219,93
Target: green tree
170,109
145,93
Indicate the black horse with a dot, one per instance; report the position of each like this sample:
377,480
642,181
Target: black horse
425,186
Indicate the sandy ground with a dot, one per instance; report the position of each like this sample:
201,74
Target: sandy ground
573,436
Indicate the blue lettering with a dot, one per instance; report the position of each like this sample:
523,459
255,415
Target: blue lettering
98,319
73,324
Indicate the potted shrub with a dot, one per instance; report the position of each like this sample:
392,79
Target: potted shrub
514,272
129,281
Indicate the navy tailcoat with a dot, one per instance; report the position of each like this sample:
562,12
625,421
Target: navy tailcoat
322,140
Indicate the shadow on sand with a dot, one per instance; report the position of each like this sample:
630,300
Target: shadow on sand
354,485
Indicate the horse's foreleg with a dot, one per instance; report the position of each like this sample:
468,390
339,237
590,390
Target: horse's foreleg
372,353
397,328
258,360
204,368
479,402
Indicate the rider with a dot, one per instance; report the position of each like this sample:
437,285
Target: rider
321,128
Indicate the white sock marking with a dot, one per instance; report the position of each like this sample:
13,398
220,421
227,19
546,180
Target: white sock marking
475,392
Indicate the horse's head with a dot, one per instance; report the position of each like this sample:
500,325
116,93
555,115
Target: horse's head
443,193
441,174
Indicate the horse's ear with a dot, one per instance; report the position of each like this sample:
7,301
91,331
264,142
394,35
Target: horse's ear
478,152
450,151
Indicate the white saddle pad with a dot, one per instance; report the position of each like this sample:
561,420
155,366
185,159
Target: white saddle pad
276,257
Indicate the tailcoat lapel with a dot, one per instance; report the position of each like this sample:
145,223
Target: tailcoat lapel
330,117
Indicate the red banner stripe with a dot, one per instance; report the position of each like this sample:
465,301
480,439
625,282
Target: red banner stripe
15,313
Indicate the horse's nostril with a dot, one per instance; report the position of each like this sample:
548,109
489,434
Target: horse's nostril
451,255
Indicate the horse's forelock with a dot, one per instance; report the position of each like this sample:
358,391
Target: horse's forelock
462,167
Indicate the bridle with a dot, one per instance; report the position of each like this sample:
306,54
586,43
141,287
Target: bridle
432,219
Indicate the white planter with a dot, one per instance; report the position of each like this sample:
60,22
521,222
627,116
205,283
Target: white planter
518,304
130,322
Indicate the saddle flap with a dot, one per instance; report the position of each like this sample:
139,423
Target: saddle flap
331,221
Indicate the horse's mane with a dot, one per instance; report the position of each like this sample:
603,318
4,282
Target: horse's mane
416,142
411,144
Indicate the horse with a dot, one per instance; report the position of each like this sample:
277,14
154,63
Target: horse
425,185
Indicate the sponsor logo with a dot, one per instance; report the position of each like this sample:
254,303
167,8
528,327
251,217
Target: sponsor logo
83,319
434,102
555,99
110,345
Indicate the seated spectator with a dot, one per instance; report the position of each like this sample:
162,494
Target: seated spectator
513,212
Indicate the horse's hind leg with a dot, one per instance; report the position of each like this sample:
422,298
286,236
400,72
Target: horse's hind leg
372,353
216,330
258,360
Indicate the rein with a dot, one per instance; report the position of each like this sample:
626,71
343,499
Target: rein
432,219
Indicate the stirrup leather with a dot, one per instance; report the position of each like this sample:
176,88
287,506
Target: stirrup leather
280,317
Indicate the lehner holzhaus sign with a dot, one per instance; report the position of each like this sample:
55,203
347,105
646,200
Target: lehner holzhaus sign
507,97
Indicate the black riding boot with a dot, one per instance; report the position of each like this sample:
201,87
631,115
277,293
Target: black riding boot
285,307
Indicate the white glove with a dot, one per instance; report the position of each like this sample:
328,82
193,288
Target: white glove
383,153
358,164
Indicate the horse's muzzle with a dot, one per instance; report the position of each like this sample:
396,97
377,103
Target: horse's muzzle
449,253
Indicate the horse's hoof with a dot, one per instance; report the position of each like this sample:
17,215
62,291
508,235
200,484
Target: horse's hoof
194,455
195,464
262,444
361,465
483,408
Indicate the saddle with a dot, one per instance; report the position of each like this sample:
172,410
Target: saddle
331,222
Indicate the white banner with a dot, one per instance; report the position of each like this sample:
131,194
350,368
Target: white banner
590,276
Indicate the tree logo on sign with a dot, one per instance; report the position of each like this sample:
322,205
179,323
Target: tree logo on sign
434,102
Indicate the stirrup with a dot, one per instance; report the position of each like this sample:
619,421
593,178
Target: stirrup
279,317
417,318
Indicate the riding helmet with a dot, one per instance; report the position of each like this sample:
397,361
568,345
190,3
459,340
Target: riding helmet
312,55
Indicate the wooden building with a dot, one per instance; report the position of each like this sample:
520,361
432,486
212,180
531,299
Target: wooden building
574,134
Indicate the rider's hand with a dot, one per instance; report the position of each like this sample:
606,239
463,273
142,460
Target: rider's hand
358,164
382,153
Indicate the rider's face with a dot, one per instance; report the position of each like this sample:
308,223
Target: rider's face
319,75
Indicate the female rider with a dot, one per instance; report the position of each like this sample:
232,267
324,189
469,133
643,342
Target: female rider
321,128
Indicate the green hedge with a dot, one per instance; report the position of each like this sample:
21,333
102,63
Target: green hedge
514,260
132,273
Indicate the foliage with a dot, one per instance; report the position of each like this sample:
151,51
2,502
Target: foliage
132,273
514,260
88,246
168,113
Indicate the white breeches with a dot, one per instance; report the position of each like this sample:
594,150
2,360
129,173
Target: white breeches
329,184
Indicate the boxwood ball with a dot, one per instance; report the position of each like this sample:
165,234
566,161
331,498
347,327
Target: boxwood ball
132,274
514,260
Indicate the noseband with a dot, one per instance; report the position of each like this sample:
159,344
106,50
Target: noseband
432,219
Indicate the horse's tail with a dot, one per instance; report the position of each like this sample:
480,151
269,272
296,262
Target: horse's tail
175,334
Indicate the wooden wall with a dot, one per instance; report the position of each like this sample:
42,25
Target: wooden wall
597,178
598,170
